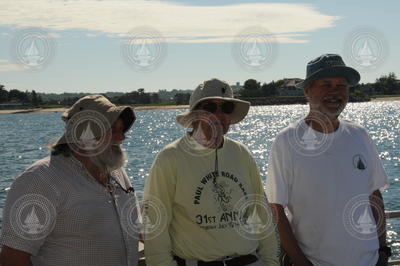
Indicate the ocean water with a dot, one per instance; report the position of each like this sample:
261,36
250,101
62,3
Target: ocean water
23,140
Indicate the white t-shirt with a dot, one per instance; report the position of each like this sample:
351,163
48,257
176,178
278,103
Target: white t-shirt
324,181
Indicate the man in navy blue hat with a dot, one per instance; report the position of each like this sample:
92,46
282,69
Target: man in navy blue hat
324,176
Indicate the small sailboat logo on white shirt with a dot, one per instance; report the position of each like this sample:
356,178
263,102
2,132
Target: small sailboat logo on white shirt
359,162
365,223
253,224
32,223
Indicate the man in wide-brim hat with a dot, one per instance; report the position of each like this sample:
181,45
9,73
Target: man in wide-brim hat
210,188
67,209
327,173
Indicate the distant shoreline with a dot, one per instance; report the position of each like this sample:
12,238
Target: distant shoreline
394,98
63,109
150,107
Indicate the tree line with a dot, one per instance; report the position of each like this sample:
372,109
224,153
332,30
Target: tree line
139,97
17,96
384,85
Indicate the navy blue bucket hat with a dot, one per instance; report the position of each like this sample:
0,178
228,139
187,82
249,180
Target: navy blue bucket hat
329,65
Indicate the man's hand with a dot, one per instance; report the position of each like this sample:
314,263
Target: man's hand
14,257
378,210
287,261
304,263
383,259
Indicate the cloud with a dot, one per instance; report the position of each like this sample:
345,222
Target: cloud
11,68
176,22
54,35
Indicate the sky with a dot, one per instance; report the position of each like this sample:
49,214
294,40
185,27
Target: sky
56,46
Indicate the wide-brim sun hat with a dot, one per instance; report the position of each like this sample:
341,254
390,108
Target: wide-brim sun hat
100,110
214,89
329,65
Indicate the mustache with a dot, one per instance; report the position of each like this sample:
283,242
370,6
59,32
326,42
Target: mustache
332,97
116,144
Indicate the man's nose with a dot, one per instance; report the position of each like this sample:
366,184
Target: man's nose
219,111
338,87
219,114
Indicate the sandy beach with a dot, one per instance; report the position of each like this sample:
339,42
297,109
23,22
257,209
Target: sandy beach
58,110
155,107
397,98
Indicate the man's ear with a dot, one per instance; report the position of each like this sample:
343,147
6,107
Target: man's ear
195,124
305,89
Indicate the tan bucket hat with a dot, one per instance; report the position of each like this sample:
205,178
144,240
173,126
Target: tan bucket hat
98,109
214,89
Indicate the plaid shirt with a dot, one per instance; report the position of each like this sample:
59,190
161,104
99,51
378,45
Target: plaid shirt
61,215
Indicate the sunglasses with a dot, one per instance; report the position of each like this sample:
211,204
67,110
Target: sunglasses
212,107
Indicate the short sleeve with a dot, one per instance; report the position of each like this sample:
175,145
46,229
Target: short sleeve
279,172
379,179
30,212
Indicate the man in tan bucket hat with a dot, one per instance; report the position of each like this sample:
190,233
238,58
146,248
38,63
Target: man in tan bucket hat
208,203
74,207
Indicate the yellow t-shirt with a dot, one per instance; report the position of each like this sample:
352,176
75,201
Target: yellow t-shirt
203,194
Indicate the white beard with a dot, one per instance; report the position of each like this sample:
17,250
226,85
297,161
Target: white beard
110,159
